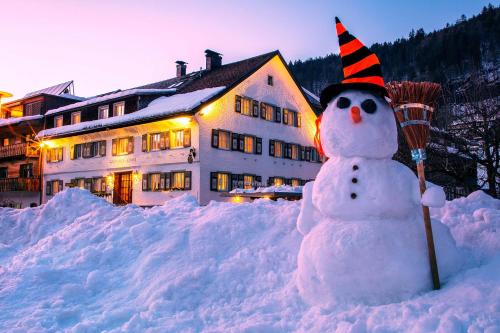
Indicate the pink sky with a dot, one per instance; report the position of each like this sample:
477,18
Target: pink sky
108,45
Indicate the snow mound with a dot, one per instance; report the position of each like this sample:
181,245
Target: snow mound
79,264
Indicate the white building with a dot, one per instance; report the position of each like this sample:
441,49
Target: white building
229,126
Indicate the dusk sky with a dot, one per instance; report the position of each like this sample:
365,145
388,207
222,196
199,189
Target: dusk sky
108,45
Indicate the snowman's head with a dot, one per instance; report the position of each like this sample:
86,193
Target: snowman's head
358,123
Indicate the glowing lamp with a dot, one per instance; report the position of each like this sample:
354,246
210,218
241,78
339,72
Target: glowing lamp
207,109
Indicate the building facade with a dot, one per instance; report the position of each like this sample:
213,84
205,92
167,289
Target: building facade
240,125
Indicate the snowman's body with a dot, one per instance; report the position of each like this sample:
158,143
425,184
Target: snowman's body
361,218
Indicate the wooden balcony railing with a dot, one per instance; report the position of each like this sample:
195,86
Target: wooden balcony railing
18,149
20,184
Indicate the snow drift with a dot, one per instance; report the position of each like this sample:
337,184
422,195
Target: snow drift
79,264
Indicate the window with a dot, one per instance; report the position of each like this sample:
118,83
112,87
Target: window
54,155
58,121
155,141
278,181
4,172
249,144
88,150
178,180
118,109
5,142
53,187
103,112
32,109
233,141
222,182
180,138
246,106
26,170
169,181
296,182
98,185
248,182
123,146
278,149
225,181
291,118
268,111
76,117
154,181
295,152
270,80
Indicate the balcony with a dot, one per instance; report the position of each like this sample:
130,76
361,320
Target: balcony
18,149
20,184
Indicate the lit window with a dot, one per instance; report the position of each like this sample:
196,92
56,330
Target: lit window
278,149
76,117
222,182
224,140
178,180
248,182
103,112
54,155
246,106
123,146
58,121
249,140
154,181
295,182
118,109
5,142
278,181
295,152
177,140
155,141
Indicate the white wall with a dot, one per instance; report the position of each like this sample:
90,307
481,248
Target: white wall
221,115
142,162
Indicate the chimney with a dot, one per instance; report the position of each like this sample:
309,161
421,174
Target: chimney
181,68
214,59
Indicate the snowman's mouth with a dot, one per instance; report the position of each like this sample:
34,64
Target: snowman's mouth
355,114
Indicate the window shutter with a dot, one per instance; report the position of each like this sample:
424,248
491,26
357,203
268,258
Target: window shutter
130,146
237,104
144,142
164,140
241,142
285,116
270,181
60,185
241,179
95,149
263,110
277,114
187,180
258,181
271,147
255,108
299,120
145,177
258,146
72,152
301,153
113,147
234,141
162,181
187,137
78,151
213,181
48,188
234,181
168,180
308,153
102,148
289,150
59,154
215,138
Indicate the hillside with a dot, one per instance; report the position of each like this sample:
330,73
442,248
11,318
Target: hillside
453,52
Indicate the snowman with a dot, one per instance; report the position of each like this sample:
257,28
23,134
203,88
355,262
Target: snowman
364,239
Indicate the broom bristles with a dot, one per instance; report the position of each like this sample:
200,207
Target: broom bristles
426,93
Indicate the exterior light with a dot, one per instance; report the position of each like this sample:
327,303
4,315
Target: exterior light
182,120
135,176
207,109
237,199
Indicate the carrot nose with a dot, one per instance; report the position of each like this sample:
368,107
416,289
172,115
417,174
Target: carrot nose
355,114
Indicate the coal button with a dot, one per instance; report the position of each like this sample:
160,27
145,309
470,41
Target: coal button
355,167
354,180
353,195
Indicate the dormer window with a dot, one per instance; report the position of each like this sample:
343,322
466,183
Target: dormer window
76,117
118,109
103,112
58,121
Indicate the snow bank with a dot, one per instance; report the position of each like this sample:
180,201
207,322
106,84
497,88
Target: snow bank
91,267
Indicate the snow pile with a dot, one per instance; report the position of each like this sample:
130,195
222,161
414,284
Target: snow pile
270,189
160,107
90,267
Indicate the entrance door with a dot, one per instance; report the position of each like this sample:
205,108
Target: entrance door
122,192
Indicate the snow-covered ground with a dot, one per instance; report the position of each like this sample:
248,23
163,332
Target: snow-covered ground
79,264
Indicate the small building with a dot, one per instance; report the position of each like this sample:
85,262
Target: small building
21,121
240,125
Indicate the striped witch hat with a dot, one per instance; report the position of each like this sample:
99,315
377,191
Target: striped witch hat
361,67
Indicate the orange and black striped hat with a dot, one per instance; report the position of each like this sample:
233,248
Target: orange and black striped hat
362,70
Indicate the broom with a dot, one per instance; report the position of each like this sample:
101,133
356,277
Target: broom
413,104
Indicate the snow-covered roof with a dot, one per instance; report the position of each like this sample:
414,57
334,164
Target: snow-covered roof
310,94
162,106
58,89
100,99
17,120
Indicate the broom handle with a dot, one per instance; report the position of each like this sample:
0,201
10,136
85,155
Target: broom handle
428,229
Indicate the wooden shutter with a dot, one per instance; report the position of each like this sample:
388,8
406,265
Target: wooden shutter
215,138
78,151
241,183
237,104
234,181
165,140
302,153
72,152
308,153
263,110
270,181
145,178
285,116
241,142
213,181
145,142
277,114
130,146
187,180
162,181
234,141
271,147
113,146
258,181
258,146
255,108
60,185
102,148
187,137
168,180
48,188
95,148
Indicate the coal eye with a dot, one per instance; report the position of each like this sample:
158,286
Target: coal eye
369,106
343,102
